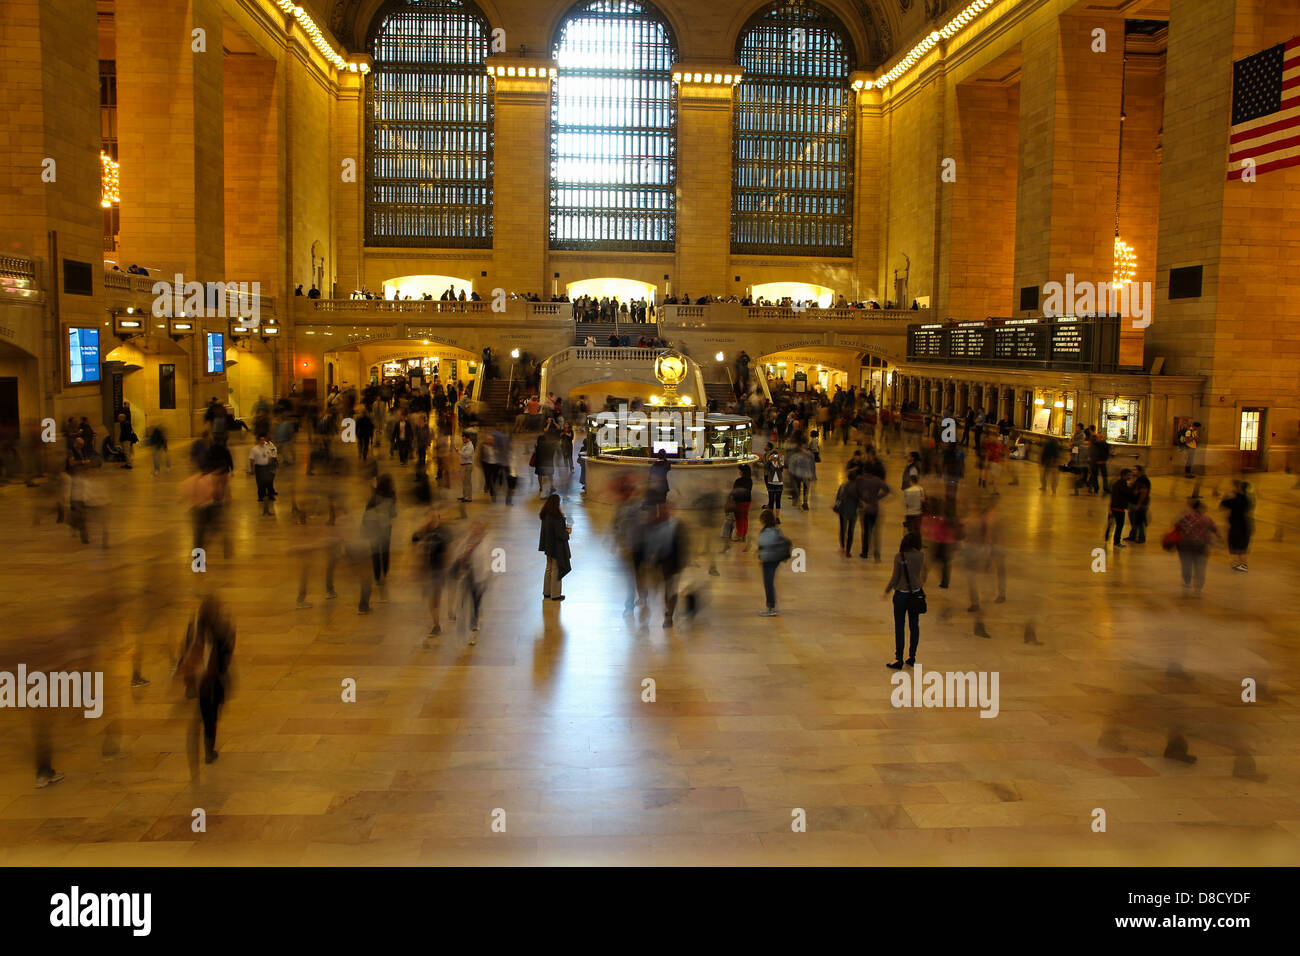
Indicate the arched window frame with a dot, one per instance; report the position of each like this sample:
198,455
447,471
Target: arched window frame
810,103
449,107
639,211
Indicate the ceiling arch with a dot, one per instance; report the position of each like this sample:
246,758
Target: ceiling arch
879,22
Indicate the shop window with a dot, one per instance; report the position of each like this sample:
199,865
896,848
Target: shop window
1120,421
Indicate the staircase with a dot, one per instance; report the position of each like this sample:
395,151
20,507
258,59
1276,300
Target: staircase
601,330
495,400
719,391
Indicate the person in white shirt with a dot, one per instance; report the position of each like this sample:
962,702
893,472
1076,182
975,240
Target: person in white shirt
466,470
262,459
913,501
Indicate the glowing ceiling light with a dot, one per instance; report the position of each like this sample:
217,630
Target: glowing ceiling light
1125,263
109,168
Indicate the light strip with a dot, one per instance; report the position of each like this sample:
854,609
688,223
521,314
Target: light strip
715,79
318,38
951,29
109,168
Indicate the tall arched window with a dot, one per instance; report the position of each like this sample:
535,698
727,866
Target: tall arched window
614,129
792,168
429,127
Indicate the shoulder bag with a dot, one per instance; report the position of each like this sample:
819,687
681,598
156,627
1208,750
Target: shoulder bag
915,599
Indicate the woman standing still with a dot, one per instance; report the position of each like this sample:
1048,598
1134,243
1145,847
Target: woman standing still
907,584
1241,523
554,543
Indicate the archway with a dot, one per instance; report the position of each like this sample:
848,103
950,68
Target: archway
418,286
795,291
820,369
624,290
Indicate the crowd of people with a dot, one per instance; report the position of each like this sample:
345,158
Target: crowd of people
423,462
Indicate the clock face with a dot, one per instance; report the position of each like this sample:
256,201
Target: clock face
670,368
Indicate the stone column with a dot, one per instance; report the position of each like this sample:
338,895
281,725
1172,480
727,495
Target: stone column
703,183
1069,152
170,135
521,229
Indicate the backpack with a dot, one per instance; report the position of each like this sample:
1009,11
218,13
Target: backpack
661,542
783,547
435,543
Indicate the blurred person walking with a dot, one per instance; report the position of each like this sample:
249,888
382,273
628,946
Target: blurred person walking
1192,535
204,668
1240,506
773,548
377,525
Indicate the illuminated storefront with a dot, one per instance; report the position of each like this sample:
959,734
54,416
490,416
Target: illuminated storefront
1052,412
1121,421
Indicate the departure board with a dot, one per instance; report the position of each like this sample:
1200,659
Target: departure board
925,340
1019,341
968,343
1065,342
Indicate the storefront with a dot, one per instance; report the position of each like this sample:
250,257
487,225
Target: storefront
1121,421
1052,412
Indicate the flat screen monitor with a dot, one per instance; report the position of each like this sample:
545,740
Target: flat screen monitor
668,447
83,356
216,353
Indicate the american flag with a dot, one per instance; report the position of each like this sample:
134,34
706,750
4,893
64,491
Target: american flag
1266,110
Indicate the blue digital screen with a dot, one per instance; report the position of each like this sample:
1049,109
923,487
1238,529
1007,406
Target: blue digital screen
216,353
83,355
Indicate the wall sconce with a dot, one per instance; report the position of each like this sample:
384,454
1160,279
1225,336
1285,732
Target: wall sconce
181,328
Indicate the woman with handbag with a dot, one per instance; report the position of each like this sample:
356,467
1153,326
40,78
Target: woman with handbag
554,543
909,596
1192,535
204,669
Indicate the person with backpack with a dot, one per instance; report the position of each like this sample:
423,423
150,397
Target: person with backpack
433,539
773,548
907,583
204,669
1192,535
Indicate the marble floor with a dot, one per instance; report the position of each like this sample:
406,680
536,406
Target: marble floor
541,727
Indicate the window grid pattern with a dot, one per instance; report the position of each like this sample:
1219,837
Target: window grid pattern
613,130
792,142
429,128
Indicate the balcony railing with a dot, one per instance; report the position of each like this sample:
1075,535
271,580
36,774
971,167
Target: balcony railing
264,305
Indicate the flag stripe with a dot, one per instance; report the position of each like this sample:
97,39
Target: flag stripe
1247,132
1272,147
1266,167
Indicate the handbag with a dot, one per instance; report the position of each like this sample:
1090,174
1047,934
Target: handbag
1172,539
916,597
